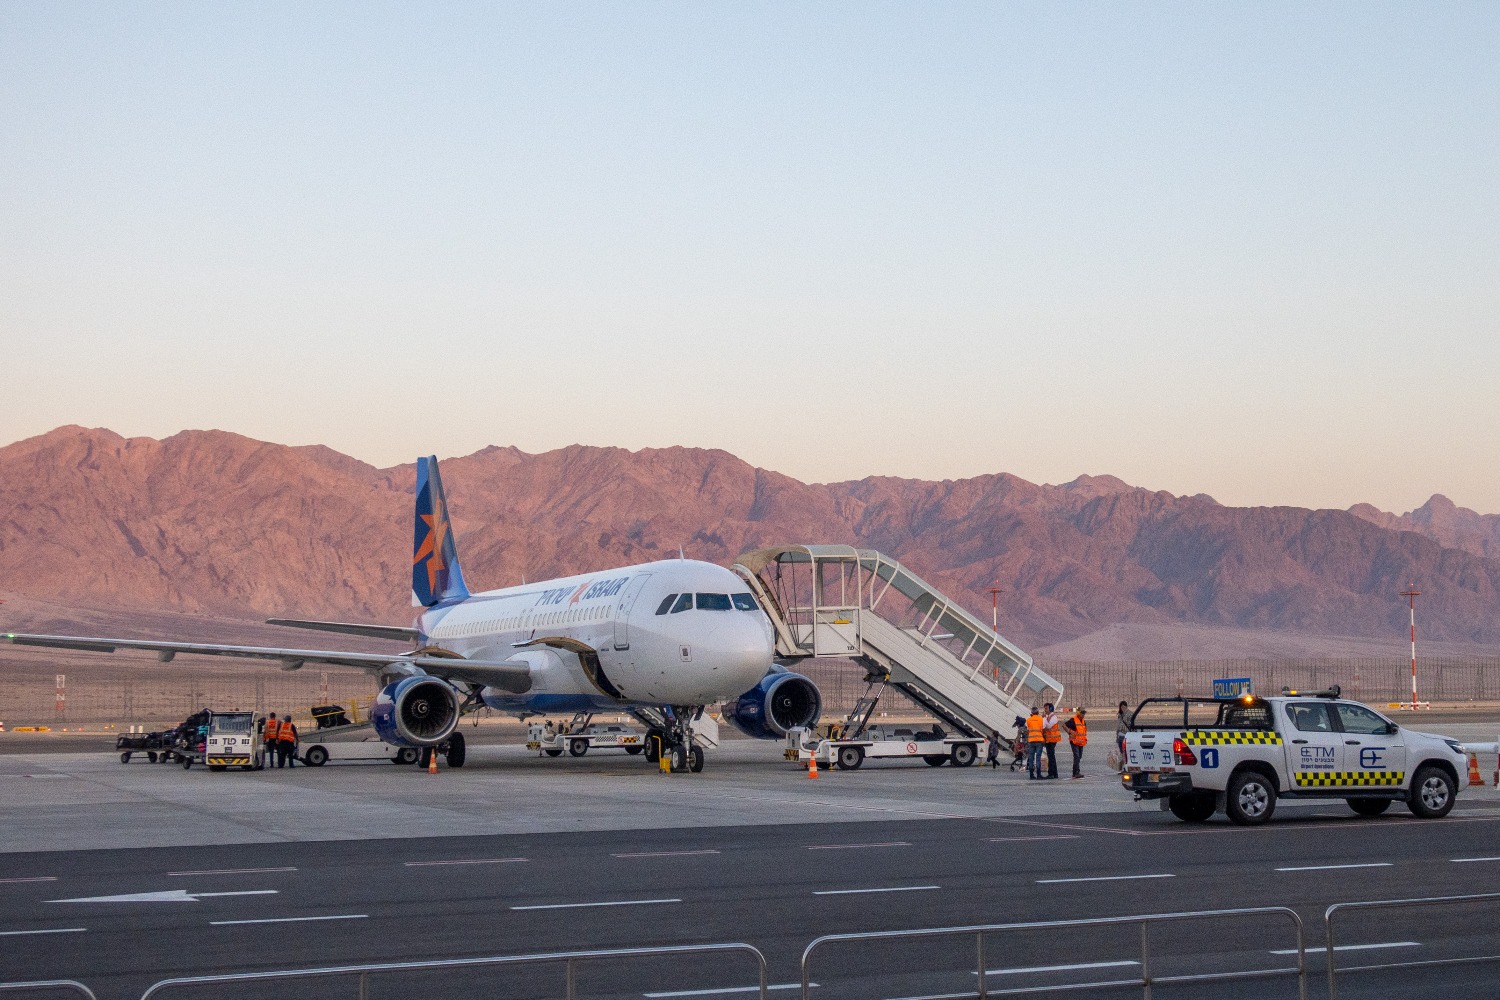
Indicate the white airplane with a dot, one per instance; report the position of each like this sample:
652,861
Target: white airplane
661,640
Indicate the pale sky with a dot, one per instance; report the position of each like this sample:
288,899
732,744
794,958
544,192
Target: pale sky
1250,250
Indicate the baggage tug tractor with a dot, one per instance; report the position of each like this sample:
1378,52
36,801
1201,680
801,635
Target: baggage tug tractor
233,742
1240,755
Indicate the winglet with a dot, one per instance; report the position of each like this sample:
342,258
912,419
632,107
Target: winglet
435,575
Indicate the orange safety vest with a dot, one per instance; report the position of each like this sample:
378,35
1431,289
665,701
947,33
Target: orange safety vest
288,731
1080,734
1034,729
1052,733
271,732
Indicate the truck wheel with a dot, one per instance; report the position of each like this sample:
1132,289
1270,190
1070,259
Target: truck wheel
1369,807
850,758
1432,793
1251,799
695,759
963,754
125,757
633,750
1192,807
316,756
151,756
458,750
553,751
187,762
577,748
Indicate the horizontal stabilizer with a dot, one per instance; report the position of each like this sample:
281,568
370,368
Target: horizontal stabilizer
395,632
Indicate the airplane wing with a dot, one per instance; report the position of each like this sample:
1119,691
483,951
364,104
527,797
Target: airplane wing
509,675
351,628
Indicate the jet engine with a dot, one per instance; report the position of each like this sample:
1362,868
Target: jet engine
781,701
415,712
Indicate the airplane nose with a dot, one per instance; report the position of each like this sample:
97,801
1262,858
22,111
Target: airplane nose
745,648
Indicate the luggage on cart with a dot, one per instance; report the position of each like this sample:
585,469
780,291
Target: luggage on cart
328,716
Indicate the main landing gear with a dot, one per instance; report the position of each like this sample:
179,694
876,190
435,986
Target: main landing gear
672,737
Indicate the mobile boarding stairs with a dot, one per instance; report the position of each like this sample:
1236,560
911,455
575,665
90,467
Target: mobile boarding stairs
847,603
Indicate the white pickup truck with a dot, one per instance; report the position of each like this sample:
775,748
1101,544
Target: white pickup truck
1240,755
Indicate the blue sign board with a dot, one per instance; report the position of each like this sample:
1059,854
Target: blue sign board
1231,687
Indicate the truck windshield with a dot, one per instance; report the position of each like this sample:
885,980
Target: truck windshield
236,723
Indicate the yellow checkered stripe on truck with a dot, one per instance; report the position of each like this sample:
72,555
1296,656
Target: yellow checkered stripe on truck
1323,779
1222,737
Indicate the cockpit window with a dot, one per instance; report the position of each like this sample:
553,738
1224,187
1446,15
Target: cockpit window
713,602
666,604
683,603
745,602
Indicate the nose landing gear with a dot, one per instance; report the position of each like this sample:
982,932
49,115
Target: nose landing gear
671,734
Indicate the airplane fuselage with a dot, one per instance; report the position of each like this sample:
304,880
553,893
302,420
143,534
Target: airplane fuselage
653,645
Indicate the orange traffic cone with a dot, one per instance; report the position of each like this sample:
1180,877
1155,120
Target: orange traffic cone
1475,778
812,767
432,760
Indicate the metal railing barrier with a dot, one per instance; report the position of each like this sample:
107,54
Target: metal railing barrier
51,985
1146,980
570,960
1337,908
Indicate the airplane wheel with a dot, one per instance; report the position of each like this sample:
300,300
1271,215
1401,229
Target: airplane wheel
695,759
577,748
678,757
458,750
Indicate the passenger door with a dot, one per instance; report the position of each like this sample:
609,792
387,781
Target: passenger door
1315,750
622,609
1373,756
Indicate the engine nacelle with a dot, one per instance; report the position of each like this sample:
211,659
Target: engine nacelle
415,712
781,701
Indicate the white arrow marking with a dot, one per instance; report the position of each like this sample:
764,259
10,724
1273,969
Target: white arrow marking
169,896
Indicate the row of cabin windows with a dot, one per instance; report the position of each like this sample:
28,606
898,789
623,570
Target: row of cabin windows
524,621
674,603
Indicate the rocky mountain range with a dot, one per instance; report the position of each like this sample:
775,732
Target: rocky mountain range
216,523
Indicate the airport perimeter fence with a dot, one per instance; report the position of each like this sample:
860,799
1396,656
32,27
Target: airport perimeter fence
157,695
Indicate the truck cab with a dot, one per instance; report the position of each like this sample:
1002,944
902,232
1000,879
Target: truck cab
1241,755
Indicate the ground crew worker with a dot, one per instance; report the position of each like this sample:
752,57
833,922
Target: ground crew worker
1034,744
288,743
1051,737
993,753
1078,736
270,732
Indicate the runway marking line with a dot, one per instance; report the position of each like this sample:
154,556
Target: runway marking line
1047,836
233,871
724,990
18,881
465,861
1350,947
857,892
665,854
612,902
50,930
1460,861
288,920
1077,967
1327,868
853,847
1099,878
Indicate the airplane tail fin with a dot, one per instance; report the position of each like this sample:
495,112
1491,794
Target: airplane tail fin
435,573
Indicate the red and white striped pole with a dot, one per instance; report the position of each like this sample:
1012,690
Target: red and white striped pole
1411,596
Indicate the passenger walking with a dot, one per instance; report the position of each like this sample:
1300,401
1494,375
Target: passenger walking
1122,726
1078,738
1034,744
1051,736
1018,744
993,753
